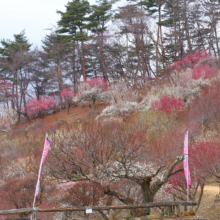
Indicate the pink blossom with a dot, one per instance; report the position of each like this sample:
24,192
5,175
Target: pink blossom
39,107
205,71
98,81
167,103
67,95
190,60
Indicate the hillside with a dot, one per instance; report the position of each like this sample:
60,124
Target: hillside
118,144
209,208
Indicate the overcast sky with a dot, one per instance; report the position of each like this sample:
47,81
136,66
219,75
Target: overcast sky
33,16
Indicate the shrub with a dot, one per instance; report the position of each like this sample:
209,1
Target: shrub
120,92
167,103
39,108
190,60
67,97
203,71
92,90
123,100
123,108
98,82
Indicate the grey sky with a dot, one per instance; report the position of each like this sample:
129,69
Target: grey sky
32,15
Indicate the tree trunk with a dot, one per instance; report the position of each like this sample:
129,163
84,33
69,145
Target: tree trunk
187,27
161,39
59,77
147,195
105,75
83,62
74,69
216,41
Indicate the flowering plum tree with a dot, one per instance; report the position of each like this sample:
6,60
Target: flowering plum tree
107,153
190,60
167,104
92,90
39,108
99,82
205,71
67,97
178,189
205,157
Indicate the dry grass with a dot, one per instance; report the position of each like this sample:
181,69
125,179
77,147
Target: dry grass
210,208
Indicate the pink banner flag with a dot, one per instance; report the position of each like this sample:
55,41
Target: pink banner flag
44,155
185,162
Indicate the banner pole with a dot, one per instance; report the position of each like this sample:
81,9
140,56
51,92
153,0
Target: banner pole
39,172
187,171
187,190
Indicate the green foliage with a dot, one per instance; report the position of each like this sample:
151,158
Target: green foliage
8,51
101,14
9,47
75,20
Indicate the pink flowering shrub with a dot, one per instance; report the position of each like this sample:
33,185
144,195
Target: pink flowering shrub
99,82
190,60
167,103
205,71
39,108
67,97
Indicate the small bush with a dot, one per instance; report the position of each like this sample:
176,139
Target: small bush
204,71
39,108
92,90
98,82
167,103
190,60
123,108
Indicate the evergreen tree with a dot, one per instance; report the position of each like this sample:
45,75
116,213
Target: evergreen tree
15,58
100,16
57,48
74,22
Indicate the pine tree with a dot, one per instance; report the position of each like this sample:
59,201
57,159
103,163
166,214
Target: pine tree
100,16
57,48
14,59
74,22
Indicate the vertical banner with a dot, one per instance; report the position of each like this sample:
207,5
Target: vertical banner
186,162
44,155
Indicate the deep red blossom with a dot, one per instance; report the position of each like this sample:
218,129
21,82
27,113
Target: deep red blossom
167,103
190,60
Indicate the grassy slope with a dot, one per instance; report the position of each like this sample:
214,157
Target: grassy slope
208,208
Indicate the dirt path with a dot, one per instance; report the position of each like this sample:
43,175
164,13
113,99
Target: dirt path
209,207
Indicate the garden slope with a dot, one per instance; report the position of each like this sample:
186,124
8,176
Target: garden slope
209,207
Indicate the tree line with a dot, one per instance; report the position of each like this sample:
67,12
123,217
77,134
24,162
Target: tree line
134,44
